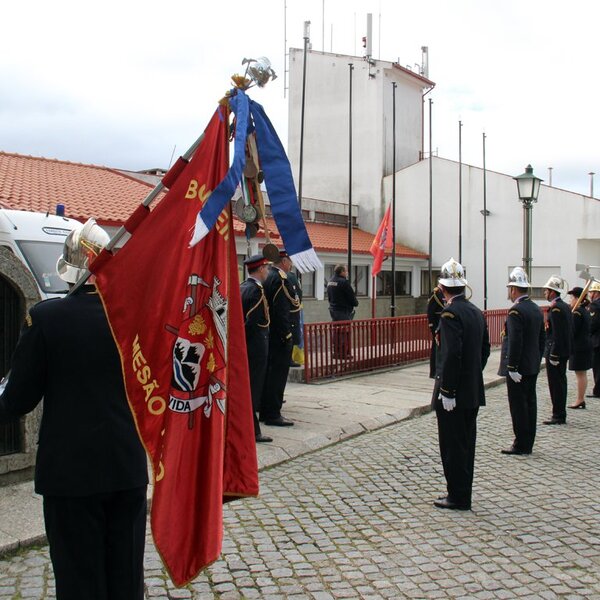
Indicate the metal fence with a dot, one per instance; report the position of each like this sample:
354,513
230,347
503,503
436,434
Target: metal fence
344,347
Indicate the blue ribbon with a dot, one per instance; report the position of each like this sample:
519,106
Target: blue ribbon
277,171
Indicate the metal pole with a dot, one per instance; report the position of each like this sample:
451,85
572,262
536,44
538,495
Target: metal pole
393,305
285,52
485,213
430,201
591,184
527,259
550,176
350,175
303,104
323,28
120,233
460,192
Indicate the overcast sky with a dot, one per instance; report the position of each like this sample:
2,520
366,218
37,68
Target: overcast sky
120,83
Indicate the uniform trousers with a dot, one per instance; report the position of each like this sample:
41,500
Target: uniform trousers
280,355
522,399
457,431
596,371
97,544
341,346
557,383
257,366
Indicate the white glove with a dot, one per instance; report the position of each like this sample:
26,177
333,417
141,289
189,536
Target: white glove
515,376
554,363
448,403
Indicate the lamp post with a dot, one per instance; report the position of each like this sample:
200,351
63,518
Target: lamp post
528,186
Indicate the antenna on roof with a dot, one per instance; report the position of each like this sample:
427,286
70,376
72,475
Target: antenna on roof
172,155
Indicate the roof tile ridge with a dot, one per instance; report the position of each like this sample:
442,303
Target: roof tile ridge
53,160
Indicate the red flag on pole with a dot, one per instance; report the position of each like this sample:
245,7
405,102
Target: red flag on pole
382,242
176,316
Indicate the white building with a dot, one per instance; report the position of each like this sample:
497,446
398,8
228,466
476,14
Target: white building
326,127
565,230
566,226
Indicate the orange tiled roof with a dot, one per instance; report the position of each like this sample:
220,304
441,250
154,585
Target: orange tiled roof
38,184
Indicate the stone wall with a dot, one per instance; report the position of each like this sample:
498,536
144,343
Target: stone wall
20,465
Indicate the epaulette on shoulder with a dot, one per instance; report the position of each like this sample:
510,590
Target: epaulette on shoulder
513,312
282,275
447,315
556,310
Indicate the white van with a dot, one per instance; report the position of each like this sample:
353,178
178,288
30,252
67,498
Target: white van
37,239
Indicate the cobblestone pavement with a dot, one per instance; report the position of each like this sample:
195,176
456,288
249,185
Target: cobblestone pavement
355,520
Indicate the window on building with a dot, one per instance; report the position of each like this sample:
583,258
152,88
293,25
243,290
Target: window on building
426,285
403,283
308,284
359,280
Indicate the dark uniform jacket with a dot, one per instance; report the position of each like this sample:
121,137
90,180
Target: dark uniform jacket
340,294
558,330
594,310
435,306
295,312
523,339
256,318
581,331
281,298
88,443
462,355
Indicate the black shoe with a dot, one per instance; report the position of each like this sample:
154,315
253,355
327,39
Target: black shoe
582,405
279,422
554,421
294,365
262,438
446,503
513,450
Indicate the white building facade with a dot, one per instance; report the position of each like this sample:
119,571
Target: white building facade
565,226
326,127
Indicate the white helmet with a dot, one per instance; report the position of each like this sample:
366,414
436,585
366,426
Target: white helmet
452,274
595,287
81,247
557,284
518,278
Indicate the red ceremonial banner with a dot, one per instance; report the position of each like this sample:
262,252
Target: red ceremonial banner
383,240
176,316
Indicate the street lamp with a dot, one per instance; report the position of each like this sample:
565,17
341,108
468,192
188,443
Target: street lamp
528,186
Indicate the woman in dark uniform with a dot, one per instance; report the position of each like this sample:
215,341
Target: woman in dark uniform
580,360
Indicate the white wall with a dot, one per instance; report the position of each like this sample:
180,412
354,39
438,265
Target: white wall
326,135
566,226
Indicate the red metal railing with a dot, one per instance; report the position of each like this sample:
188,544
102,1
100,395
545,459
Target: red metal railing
344,347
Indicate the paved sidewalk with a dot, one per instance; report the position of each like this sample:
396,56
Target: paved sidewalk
324,413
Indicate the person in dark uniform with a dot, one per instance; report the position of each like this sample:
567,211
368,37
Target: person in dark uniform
523,343
296,315
594,310
342,302
256,322
459,392
91,467
558,348
282,301
435,306
580,360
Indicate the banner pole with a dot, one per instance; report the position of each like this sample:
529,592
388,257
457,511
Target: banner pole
116,238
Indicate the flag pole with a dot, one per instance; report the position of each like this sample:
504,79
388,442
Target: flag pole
171,176
374,297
